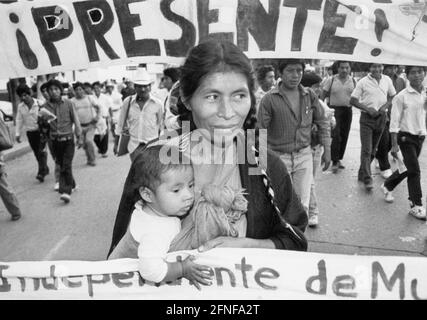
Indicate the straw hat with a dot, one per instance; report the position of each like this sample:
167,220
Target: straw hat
142,78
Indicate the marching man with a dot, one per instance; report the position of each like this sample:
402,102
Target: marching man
408,131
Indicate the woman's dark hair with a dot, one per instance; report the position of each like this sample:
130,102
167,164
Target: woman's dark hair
408,68
210,57
285,62
262,72
87,85
173,73
22,89
54,83
78,85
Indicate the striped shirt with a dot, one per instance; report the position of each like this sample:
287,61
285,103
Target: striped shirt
288,132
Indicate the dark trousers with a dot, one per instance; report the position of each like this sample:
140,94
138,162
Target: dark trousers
64,153
371,130
102,143
39,149
410,146
343,117
52,153
384,148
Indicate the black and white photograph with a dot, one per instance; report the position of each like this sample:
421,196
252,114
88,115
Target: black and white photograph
213,154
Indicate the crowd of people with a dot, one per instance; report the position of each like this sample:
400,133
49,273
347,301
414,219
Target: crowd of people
307,119
79,114
393,119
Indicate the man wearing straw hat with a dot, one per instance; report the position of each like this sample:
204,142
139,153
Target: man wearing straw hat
141,114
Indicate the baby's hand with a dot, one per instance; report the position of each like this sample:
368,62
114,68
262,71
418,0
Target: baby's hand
195,273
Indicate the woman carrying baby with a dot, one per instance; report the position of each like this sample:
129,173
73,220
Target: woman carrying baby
217,100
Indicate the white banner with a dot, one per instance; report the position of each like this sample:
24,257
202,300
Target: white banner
237,274
45,36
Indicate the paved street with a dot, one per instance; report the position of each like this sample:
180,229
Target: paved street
351,221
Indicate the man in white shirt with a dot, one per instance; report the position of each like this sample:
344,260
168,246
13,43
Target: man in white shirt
338,90
384,145
141,114
27,122
372,95
116,104
408,131
101,133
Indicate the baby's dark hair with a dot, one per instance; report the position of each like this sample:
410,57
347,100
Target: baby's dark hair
152,162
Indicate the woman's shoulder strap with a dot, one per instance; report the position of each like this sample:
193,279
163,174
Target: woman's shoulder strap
271,194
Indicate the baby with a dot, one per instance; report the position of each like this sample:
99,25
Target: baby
165,193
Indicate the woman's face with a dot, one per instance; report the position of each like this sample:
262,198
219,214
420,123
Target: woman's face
221,104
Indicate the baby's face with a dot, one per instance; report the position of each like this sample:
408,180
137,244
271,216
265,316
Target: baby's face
175,195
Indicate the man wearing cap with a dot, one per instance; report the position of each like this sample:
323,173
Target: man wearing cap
141,114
